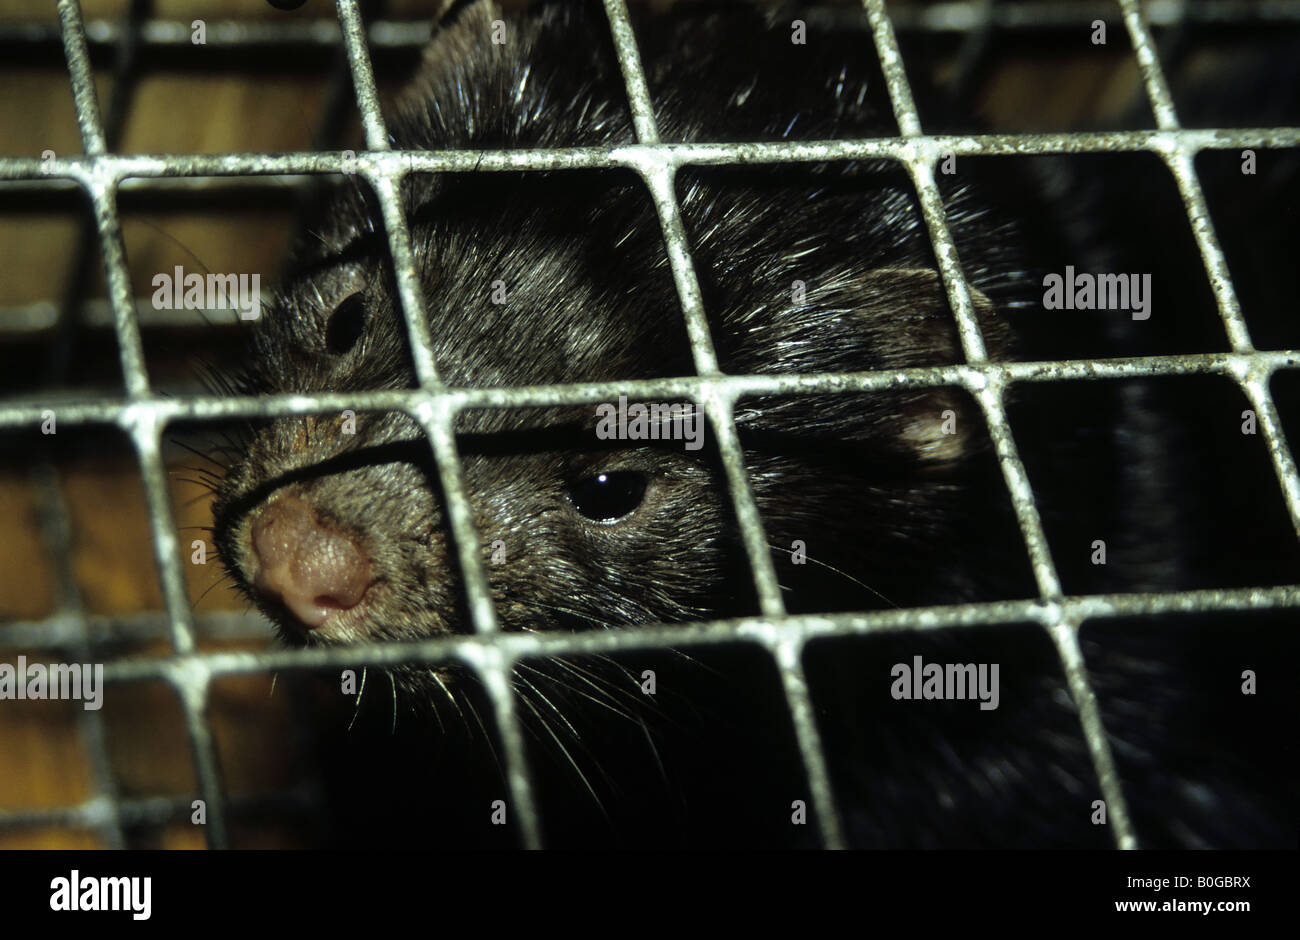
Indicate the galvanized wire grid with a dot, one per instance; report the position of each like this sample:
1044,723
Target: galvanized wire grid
143,415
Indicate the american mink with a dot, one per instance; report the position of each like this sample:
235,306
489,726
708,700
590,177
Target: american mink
893,497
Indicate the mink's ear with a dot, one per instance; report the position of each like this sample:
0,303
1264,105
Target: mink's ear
462,35
459,20
879,321
907,312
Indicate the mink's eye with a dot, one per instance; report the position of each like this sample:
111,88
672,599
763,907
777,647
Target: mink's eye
345,325
608,496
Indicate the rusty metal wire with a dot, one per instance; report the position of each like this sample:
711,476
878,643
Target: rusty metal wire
142,414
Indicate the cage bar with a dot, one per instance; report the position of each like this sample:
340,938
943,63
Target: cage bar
490,652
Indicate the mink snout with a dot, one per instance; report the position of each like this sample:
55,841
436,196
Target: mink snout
311,568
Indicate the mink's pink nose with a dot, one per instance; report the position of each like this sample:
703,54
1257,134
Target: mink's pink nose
311,569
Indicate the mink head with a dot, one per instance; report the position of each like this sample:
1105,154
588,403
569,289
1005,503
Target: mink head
334,524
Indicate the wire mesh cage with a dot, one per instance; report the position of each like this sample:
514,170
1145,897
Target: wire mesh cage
191,668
